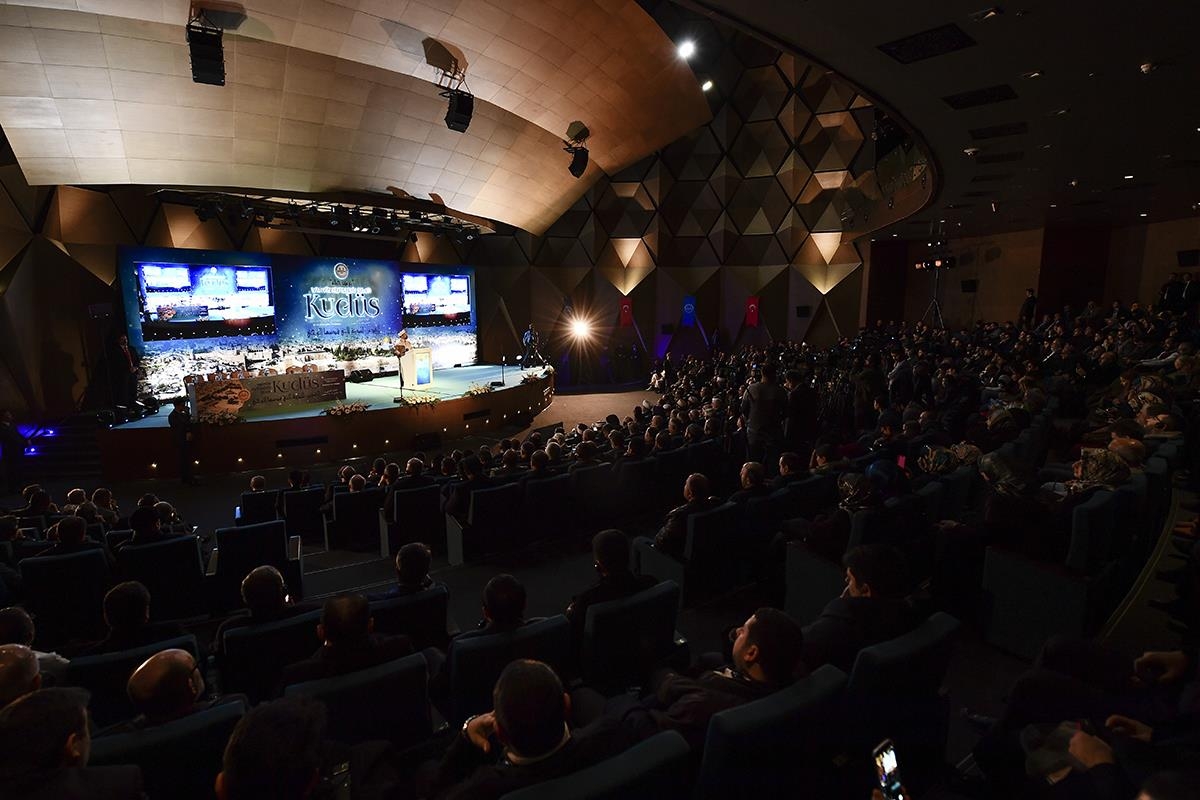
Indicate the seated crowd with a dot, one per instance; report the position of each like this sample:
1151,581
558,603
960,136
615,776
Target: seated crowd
846,457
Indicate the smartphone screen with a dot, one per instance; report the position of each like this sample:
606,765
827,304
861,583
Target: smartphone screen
887,766
901,461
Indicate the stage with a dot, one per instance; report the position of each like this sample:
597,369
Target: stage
302,435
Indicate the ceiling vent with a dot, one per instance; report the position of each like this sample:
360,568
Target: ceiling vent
980,97
928,44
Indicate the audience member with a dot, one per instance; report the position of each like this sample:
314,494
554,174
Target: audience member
412,571
610,554
17,628
266,599
503,607
127,615
19,673
672,536
348,642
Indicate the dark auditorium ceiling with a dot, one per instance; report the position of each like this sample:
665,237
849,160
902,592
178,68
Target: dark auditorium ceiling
1049,92
327,95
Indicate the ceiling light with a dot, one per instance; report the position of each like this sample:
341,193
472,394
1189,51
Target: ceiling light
988,13
1054,205
1073,182
1037,73
1128,177
971,151
687,49
704,87
1147,67
1060,112
1143,214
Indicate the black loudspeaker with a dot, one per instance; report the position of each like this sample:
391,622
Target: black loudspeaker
361,376
427,441
668,328
208,54
970,287
579,161
458,114
1188,258
803,312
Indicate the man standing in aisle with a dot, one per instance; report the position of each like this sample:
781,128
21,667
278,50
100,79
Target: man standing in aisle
1028,313
763,406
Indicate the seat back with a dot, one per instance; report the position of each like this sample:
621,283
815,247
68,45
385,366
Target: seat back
386,702
258,507
672,467
656,769
356,518
421,616
173,572
65,595
255,655
419,517
769,747
302,514
242,549
475,663
1093,526
492,519
814,494
593,488
114,539
547,505
625,639
106,675
704,458
712,546
179,759
632,481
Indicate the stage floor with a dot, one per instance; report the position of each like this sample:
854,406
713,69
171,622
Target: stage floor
379,393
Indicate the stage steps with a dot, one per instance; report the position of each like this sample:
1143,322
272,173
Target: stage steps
66,448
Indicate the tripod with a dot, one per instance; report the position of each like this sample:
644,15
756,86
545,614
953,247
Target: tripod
935,308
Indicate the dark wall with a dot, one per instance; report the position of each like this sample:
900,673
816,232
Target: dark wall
1074,266
887,280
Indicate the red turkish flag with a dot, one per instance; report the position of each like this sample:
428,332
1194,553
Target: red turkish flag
626,312
752,311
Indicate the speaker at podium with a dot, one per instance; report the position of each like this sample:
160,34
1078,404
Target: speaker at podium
416,368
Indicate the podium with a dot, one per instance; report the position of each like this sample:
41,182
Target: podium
416,368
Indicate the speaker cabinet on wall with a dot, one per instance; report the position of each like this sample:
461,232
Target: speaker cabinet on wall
970,287
803,312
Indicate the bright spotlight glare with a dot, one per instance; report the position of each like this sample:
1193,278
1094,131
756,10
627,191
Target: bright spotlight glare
580,328
704,87
687,49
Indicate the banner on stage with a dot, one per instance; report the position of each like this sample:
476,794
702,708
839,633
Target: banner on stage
626,312
689,312
752,311
238,395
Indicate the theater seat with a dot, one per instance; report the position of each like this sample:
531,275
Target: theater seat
255,655
712,547
422,617
491,524
388,702
172,571
355,523
65,595
105,677
547,509
776,747
656,769
256,507
239,550
419,518
179,759
475,663
624,640
302,514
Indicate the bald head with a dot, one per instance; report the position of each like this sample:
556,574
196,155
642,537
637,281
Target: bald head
18,672
696,487
166,685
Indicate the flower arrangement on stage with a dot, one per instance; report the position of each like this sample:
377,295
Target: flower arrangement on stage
418,400
340,409
219,418
476,389
531,377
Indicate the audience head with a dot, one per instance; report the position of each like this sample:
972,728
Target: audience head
696,487
875,570
538,460
166,513
148,500
531,709
19,673
790,464
610,549
71,530
258,483
768,646
412,563
264,591
753,475
275,752
44,731
166,685
144,521
357,483
87,512
296,478
77,497
414,466
345,620
504,601
16,626
472,467
378,466
127,606
39,502
824,454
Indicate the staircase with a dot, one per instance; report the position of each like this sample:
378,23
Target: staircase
65,449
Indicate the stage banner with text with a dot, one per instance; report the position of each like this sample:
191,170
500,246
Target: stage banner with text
235,396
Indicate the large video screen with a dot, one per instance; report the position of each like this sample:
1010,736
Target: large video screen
192,312
436,300
201,301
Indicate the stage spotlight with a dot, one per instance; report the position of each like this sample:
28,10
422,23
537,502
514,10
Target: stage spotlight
687,49
581,328
704,87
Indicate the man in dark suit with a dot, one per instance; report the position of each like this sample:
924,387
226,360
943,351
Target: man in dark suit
1028,312
763,406
524,740
800,419
503,607
791,471
265,595
349,643
180,420
71,533
127,615
458,499
753,480
610,551
672,536
872,609
166,687
44,749
146,526
412,572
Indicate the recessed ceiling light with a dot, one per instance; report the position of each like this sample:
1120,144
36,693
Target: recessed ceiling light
1143,214
704,87
1036,73
1147,67
1046,146
1054,205
1128,177
971,151
687,49
1073,182
987,13
1059,112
